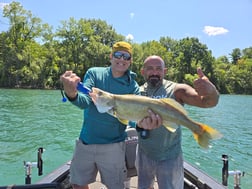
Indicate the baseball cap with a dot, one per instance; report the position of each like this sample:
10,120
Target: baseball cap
122,46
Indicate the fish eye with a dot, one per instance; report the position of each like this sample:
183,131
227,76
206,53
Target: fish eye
99,93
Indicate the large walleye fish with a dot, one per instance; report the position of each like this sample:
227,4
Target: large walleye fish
134,108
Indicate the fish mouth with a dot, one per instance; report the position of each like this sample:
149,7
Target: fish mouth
94,97
94,94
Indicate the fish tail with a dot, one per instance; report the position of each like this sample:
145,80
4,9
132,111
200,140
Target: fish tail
123,121
207,133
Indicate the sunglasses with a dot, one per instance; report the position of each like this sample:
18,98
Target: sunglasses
119,55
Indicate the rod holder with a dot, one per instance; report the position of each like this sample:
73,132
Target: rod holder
225,170
29,165
237,178
40,161
225,173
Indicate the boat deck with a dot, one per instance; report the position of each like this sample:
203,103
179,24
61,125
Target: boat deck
133,184
96,185
193,179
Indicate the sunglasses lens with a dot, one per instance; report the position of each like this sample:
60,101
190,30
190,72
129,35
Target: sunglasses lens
119,55
126,57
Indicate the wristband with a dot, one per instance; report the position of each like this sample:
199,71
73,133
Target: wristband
138,129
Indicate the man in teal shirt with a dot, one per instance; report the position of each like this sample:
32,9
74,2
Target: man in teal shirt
101,144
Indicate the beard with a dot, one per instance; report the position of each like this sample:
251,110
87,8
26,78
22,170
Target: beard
154,80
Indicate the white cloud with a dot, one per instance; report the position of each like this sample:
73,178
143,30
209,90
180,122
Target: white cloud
211,30
132,15
3,4
130,37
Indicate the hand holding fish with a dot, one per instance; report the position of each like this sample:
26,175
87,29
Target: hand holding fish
150,122
70,81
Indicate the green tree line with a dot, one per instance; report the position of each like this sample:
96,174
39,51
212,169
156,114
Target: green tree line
33,55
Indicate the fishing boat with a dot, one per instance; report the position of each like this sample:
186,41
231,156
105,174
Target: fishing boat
59,179
194,178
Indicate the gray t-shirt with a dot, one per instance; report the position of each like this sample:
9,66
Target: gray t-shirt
161,144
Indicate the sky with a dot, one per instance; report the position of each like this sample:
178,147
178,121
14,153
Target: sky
222,25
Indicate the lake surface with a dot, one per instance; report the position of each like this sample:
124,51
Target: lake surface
30,119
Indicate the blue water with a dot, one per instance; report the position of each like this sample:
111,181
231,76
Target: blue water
30,119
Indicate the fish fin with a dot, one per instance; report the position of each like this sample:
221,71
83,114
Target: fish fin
174,103
208,133
170,126
123,121
113,113
103,109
